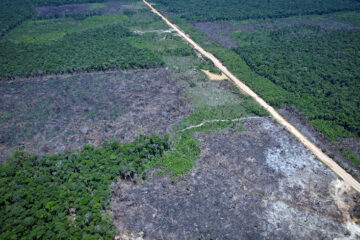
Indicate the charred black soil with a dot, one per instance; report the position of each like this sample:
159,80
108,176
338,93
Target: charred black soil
256,184
113,7
332,148
220,32
54,114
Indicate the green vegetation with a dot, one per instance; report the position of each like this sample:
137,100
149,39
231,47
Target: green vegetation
62,2
321,73
50,30
94,6
352,157
225,112
64,196
92,50
273,94
182,158
166,44
14,12
330,129
306,66
88,43
187,147
237,10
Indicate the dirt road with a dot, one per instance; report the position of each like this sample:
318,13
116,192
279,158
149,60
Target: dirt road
348,179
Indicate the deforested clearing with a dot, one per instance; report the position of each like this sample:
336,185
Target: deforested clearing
112,126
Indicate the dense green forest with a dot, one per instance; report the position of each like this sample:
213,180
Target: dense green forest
79,43
321,73
64,196
237,10
83,43
313,67
14,12
92,50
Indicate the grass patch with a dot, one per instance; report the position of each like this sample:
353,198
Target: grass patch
331,130
211,95
225,112
182,158
352,157
48,30
96,6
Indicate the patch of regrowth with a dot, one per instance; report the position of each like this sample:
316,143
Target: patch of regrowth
180,64
355,160
96,6
209,66
182,158
226,112
209,93
48,30
331,130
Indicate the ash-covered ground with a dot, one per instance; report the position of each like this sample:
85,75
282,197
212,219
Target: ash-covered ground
111,7
256,184
55,114
220,32
351,144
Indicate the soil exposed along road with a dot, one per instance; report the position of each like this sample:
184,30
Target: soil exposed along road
348,179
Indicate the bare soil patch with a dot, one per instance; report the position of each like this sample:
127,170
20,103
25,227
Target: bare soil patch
257,184
215,77
53,114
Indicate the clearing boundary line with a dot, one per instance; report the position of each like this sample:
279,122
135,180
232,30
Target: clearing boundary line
347,178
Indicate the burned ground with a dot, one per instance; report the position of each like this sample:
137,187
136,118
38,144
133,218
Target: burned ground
113,7
220,32
326,24
256,184
351,144
54,114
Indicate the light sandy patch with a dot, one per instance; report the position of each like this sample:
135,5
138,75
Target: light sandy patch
342,194
213,76
130,236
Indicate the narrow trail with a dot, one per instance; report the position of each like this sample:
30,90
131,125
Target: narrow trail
218,120
347,178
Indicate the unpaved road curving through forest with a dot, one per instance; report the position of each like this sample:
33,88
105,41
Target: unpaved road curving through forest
347,178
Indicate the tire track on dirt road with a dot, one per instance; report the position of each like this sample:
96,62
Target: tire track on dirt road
347,178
